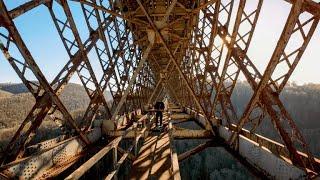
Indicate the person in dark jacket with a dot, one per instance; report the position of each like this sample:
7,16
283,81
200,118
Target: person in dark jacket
159,107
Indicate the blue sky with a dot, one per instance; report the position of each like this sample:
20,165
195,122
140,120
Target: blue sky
41,37
38,32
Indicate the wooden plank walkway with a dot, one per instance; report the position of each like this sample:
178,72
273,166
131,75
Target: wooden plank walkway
154,158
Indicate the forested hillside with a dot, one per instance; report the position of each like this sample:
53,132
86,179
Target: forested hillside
303,104
16,102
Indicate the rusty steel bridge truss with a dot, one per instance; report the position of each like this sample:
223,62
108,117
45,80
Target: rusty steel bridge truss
191,51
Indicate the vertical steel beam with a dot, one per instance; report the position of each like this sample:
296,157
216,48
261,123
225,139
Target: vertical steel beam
132,80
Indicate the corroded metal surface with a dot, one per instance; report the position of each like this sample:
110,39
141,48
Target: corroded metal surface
191,51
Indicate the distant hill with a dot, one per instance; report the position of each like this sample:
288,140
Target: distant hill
18,88
16,101
302,102
73,96
5,94
14,88
14,108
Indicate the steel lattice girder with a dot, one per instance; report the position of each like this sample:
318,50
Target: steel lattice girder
189,57
267,102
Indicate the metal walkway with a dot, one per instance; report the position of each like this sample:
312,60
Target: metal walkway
191,52
154,159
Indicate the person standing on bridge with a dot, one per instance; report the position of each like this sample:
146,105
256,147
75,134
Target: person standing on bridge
159,107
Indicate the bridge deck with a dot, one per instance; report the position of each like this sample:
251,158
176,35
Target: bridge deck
154,158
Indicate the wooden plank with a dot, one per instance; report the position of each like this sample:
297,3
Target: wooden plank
195,150
119,163
93,160
142,165
192,134
154,159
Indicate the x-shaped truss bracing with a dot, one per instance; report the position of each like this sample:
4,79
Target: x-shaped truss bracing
190,51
